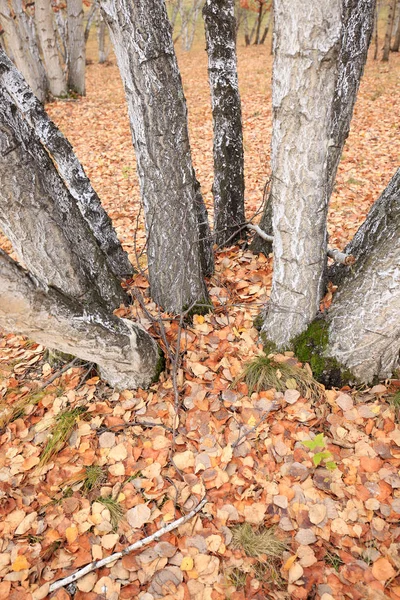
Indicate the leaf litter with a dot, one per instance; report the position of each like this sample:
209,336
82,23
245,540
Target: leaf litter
260,454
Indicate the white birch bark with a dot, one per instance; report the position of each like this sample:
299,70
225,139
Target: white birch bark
68,166
364,331
47,36
141,35
76,47
307,43
125,353
228,187
42,220
101,36
357,27
20,51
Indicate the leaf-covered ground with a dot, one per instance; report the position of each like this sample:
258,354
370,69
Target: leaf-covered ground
85,470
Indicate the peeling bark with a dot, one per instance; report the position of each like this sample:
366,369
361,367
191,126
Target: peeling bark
42,220
141,35
364,331
228,188
307,44
47,37
68,166
125,353
76,47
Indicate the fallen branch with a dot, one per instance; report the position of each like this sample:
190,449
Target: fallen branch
97,564
339,257
261,233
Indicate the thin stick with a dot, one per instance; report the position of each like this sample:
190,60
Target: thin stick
97,564
339,257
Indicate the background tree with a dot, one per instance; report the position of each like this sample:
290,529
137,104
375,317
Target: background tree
21,44
178,238
46,32
76,47
396,29
228,188
389,30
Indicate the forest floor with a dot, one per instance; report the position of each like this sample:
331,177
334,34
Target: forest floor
86,470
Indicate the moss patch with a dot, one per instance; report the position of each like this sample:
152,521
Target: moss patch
160,366
202,307
311,347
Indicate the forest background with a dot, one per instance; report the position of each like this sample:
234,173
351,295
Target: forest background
334,540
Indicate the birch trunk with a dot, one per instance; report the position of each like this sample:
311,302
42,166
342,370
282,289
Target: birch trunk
16,44
47,36
364,330
307,44
358,23
125,353
101,36
389,30
141,35
76,47
396,28
28,34
68,166
42,220
228,188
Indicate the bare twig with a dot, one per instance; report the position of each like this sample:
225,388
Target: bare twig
97,564
274,406
339,257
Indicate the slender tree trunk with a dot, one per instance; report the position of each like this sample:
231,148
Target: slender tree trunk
304,76
364,319
125,353
259,21
102,41
47,37
68,166
246,29
376,32
61,29
175,12
396,41
266,30
20,51
76,47
358,22
42,220
228,188
389,30
90,17
141,35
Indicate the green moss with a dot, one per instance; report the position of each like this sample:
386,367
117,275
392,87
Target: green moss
160,366
311,347
258,321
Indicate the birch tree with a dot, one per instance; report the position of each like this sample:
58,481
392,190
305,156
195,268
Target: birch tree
47,37
76,47
66,298
228,188
389,30
307,42
22,46
355,37
178,236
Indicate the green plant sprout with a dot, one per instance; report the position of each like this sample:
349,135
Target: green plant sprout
323,455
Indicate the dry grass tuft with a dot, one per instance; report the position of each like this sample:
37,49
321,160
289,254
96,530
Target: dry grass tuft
64,425
263,373
262,542
117,513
